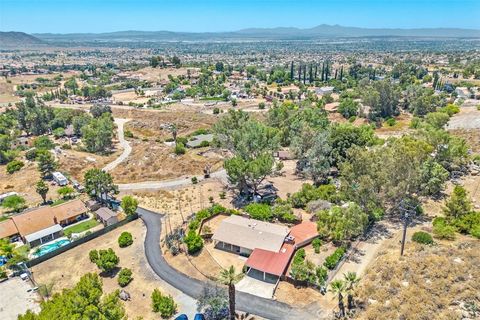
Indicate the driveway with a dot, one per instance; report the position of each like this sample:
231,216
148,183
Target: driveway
256,287
16,299
127,149
262,307
169,184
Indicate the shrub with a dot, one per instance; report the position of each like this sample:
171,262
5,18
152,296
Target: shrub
222,195
282,210
180,148
261,105
390,122
194,242
14,166
194,180
43,142
163,304
93,255
216,110
125,239
332,260
128,134
107,260
129,205
422,237
442,230
124,277
309,193
450,109
259,211
475,231
204,144
317,243
31,154
322,275
299,256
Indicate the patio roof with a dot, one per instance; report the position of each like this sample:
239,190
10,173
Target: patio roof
271,262
44,232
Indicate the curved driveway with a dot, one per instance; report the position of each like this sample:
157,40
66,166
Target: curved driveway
262,307
127,149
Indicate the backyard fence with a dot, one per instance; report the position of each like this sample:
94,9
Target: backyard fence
80,241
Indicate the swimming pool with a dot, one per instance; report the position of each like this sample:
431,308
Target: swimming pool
49,247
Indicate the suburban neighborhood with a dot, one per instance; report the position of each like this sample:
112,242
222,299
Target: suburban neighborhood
318,171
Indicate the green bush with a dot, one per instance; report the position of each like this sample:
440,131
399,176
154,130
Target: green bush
31,154
317,243
390,122
442,230
125,239
180,148
475,231
467,222
309,193
299,256
422,237
124,277
450,109
332,260
93,255
259,211
194,180
204,144
128,134
216,110
43,142
261,105
163,304
194,242
322,275
14,166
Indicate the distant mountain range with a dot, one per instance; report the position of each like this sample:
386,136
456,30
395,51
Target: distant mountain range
19,39
282,33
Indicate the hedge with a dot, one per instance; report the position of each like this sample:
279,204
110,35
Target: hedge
332,260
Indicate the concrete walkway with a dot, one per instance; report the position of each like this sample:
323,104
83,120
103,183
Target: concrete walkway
193,288
127,149
170,184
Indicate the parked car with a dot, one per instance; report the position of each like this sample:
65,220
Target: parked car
199,316
182,317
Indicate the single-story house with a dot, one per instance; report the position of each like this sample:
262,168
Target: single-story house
106,216
93,205
43,224
324,90
242,235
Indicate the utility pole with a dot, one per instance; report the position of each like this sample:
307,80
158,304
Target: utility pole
408,210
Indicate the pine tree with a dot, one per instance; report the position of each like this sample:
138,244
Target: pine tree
299,73
310,73
323,71
291,71
304,74
316,67
341,73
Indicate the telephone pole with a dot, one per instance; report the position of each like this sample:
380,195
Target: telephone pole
408,210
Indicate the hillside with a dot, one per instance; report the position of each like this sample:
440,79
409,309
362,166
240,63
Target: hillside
14,39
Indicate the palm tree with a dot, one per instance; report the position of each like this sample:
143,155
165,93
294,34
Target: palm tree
351,281
337,287
229,277
42,190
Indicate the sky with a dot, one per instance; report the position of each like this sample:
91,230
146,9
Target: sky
81,16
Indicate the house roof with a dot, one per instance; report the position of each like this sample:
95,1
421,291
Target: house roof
44,217
304,232
271,262
44,232
7,228
251,233
105,213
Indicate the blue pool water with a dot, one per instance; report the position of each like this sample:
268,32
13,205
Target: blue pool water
49,247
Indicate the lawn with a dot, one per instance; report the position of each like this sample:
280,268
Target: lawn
83,226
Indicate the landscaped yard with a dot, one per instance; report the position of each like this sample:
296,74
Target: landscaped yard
80,227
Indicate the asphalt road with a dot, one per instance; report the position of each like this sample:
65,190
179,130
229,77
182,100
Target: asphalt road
262,307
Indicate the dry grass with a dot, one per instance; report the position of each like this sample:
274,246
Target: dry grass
427,283
66,269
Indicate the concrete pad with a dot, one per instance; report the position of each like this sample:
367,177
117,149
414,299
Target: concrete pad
256,287
15,298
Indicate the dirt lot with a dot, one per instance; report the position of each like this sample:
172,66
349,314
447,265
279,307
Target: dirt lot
157,74
23,182
67,268
467,118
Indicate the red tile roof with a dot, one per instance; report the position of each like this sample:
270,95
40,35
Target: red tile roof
304,231
271,262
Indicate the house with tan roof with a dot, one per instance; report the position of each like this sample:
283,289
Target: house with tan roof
43,224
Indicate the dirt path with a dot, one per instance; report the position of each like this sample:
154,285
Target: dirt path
127,149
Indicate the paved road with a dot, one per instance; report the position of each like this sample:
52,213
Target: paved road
262,307
170,184
127,149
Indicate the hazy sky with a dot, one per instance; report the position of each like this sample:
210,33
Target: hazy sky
66,16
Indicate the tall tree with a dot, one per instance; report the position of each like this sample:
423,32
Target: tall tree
351,281
42,189
46,164
291,71
99,184
229,277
